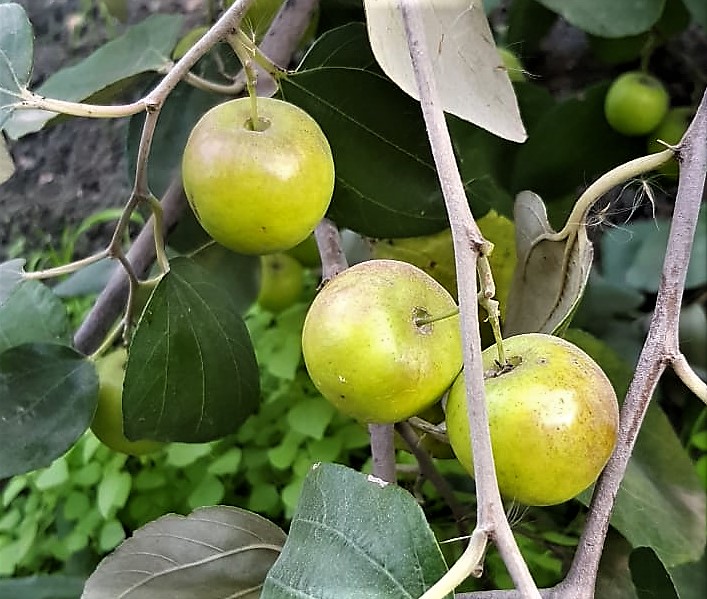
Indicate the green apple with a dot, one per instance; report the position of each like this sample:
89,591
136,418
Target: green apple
381,341
307,253
553,418
258,189
636,103
107,422
670,130
281,282
512,64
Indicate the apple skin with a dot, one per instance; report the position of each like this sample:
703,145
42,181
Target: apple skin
307,253
366,353
281,282
636,103
553,419
258,192
107,422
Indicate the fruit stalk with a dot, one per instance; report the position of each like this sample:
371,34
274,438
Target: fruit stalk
491,518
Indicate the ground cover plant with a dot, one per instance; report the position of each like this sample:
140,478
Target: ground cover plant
407,318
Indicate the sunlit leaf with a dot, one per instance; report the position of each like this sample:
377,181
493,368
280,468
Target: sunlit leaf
608,18
47,398
469,74
191,374
214,553
144,47
336,548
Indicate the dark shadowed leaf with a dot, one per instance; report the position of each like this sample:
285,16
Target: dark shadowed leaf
47,399
239,275
690,579
660,485
89,280
354,536
571,144
345,46
386,184
550,275
16,55
214,553
614,577
54,586
649,576
32,312
698,11
608,18
144,47
191,374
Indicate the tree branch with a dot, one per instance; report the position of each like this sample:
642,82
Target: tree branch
660,348
468,243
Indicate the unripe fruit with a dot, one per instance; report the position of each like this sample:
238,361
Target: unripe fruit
553,419
670,130
636,103
258,191
381,341
107,422
281,282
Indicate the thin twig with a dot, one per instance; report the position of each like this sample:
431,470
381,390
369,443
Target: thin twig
689,377
468,244
661,346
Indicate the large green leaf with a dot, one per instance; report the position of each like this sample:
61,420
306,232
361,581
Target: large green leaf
191,374
144,47
345,46
214,553
570,145
10,277
357,537
660,486
609,18
550,275
386,183
31,312
47,398
698,11
16,55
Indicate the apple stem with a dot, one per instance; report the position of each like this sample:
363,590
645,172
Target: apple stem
245,55
421,321
486,301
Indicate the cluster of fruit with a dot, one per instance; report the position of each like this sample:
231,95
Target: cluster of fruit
382,341
638,104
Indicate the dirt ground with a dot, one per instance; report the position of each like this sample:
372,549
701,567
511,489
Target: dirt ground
68,171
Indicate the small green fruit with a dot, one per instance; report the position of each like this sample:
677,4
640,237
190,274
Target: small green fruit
553,419
307,253
512,64
381,341
258,190
636,103
281,282
107,422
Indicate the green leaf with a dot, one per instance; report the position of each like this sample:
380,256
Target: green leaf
690,579
550,276
16,55
32,313
45,586
698,11
660,485
209,491
191,374
76,505
7,165
355,536
279,348
614,577
528,22
311,417
607,17
227,463
10,276
144,47
180,455
345,46
113,492
571,144
649,576
47,399
633,255
111,535
54,476
214,552
237,273
376,133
